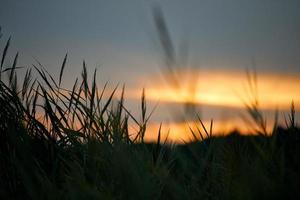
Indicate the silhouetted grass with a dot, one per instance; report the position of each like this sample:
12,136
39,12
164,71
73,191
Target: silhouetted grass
58,143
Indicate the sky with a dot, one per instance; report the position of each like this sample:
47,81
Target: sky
119,38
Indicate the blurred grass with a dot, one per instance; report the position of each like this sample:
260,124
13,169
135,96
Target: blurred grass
59,143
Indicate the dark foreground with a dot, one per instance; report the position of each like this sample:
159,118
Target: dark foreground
231,167
43,156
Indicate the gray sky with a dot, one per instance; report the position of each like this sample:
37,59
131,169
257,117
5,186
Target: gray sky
119,35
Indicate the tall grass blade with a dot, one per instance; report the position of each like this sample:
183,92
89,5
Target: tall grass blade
292,116
204,128
12,72
93,93
211,128
164,37
26,82
4,55
62,69
156,151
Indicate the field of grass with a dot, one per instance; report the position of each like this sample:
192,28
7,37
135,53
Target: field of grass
59,143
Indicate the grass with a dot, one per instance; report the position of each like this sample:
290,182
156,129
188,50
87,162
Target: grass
59,143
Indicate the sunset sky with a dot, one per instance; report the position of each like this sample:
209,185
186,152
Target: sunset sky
119,38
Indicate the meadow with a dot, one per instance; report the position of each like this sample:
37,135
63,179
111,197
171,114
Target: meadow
76,143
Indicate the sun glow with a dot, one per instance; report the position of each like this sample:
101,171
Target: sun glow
214,89
217,88
227,89
181,132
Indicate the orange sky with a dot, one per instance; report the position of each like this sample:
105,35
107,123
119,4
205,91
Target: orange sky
214,89
217,88
228,89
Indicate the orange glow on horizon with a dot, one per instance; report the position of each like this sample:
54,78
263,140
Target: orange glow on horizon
181,132
215,88
225,89
218,88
